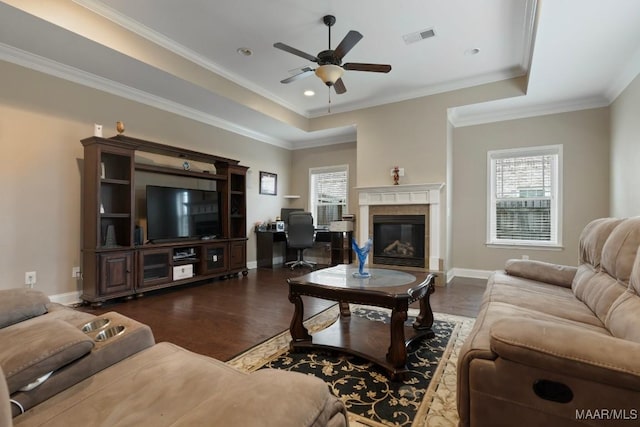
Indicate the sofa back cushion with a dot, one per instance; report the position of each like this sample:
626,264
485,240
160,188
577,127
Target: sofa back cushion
592,240
622,320
21,304
602,279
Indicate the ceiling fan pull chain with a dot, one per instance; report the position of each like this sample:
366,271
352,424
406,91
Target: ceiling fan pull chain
329,105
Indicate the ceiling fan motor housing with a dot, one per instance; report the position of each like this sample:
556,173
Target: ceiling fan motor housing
328,57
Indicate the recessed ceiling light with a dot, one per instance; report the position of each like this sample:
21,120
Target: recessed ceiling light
309,93
244,51
471,52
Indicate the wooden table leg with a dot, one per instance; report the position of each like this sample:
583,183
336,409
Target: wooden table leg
425,317
296,328
397,353
344,309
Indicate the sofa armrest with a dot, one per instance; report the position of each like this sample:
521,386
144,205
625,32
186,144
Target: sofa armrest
555,274
568,349
31,350
21,304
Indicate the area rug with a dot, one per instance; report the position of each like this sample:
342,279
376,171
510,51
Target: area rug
426,397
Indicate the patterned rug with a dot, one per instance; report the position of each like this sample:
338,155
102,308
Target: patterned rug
426,397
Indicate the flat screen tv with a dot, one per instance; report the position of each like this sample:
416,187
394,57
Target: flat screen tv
181,213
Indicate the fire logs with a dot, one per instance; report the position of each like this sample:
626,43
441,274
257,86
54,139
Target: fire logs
400,248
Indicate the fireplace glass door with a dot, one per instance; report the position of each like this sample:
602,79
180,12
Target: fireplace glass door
399,240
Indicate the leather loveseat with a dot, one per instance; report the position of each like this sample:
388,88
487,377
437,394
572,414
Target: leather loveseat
556,345
62,367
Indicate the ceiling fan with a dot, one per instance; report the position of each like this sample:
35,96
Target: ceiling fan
330,66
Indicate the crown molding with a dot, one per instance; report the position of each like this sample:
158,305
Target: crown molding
510,112
427,91
323,142
56,69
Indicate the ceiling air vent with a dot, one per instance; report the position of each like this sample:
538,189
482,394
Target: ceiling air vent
419,35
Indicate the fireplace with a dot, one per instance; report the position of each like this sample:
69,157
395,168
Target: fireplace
399,240
405,199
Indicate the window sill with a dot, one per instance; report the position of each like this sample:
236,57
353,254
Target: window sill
533,246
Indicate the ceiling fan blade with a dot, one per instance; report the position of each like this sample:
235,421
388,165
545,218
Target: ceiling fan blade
295,51
305,73
347,43
375,68
339,87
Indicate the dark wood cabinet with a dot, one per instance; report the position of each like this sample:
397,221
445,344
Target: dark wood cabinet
116,273
238,258
113,266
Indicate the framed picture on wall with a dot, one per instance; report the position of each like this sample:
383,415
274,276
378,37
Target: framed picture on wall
268,183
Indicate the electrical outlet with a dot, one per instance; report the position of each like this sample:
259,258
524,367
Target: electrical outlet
75,272
30,278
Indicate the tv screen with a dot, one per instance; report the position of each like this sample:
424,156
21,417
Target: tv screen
179,213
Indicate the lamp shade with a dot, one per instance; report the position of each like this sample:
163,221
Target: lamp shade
329,73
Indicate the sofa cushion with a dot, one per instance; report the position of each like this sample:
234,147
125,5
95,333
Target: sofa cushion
134,338
166,385
593,237
600,290
622,319
554,274
17,305
540,297
30,351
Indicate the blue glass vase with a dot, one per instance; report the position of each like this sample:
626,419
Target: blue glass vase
362,253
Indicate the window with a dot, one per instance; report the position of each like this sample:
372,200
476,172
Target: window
525,196
328,193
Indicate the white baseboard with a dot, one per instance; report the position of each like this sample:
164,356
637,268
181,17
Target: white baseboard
72,298
466,272
69,298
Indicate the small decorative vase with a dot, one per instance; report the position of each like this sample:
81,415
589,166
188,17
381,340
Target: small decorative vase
362,253
120,127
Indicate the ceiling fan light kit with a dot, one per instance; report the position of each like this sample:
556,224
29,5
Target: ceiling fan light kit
329,73
330,68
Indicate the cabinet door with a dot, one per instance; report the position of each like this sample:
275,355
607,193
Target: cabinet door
238,258
154,267
116,273
215,258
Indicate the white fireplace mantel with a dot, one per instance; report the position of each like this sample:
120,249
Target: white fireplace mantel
406,194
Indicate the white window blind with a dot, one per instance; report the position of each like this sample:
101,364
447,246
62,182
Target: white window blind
524,193
328,190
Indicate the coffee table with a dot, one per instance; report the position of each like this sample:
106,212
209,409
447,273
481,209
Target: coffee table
387,288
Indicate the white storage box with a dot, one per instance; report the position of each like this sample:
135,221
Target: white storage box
183,272
341,226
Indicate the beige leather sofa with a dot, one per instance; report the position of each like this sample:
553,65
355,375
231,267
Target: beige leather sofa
62,367
556,345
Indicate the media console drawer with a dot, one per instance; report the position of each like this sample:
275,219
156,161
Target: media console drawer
183,272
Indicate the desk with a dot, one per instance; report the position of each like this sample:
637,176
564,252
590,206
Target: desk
340,246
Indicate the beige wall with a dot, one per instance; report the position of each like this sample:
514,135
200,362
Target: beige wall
331,155
625,152
42,120
585,139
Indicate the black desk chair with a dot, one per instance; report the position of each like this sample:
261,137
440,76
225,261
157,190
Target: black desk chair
300,236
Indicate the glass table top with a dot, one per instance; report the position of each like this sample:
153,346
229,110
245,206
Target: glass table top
341,276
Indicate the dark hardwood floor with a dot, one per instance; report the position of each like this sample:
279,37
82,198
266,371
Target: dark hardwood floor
225,317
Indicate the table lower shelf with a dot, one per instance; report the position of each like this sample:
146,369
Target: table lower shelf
361,337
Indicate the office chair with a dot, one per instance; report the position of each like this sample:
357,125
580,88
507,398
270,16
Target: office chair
300,236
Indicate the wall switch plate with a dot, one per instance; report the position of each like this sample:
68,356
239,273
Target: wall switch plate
30,278
75,272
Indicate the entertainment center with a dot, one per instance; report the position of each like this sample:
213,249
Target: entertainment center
195,234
